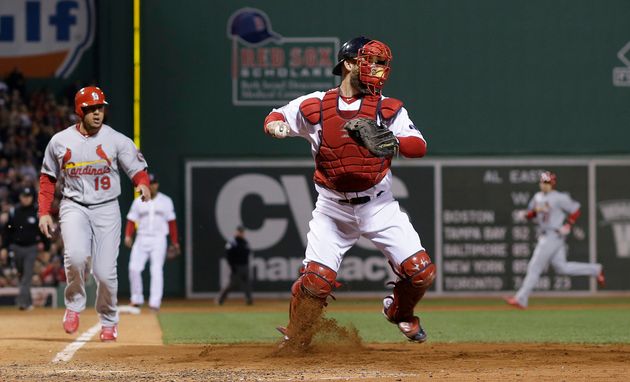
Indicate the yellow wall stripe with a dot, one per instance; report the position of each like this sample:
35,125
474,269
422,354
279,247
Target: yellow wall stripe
136,72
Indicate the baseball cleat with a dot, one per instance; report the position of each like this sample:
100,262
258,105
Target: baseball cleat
70,321
601,279
412,330
109,333
514,302
284,332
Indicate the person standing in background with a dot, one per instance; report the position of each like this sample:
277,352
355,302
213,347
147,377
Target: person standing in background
154,220
22,237
237,252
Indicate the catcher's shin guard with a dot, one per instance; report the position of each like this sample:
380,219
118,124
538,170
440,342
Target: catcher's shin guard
417,273
308,299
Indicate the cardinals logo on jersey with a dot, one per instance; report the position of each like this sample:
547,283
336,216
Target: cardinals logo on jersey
65,162
101,154
74,169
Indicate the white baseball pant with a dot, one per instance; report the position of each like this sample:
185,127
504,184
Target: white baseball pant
152,248
91,233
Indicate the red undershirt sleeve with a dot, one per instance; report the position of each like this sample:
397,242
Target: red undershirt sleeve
172,230
46,194
141,177
130,228
574,217
412,147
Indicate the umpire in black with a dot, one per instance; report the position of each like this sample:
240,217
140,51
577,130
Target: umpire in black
21,236
237,252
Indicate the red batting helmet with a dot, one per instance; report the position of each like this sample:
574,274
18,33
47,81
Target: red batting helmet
548,177
88,96
373,59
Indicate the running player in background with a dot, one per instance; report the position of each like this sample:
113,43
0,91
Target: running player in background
555,213
154,220
88,158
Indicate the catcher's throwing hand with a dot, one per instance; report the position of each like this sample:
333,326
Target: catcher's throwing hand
173,251
277,129
379,140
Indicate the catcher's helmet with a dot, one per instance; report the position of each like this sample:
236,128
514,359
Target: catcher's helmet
88,96
349,49
549,177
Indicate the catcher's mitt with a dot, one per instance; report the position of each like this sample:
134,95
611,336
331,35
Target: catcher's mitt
173,252
379,140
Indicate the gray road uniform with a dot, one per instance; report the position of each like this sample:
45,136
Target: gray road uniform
551,210
89,167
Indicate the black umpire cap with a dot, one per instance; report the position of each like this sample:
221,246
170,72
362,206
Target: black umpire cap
27,191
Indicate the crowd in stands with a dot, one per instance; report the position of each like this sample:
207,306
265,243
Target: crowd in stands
27,122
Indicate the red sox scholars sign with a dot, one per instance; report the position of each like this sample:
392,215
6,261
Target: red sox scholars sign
45,38
269,69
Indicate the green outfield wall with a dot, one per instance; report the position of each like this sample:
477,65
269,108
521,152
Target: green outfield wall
479,78
483,77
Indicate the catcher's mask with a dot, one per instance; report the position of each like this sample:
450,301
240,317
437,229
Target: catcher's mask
88,96
374,59
549,177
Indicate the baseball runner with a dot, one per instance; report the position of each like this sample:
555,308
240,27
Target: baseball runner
354,131
88,158
554,212
154,220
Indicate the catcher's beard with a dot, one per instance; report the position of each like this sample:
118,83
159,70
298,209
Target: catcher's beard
356,83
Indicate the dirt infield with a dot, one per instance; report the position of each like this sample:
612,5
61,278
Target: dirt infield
30,340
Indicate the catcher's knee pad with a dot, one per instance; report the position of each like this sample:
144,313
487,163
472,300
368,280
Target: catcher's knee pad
418,269
317,280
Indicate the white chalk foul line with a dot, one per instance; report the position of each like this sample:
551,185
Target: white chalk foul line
66,354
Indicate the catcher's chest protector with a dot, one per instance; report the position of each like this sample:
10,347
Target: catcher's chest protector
342,164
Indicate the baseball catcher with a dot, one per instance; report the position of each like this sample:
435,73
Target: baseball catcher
354,132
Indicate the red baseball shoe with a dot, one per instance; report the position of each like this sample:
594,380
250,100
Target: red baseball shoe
411,329
601,279
70,321
109,333
512,301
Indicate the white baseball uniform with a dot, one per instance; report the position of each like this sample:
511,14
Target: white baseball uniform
89,167
152,219
551,210
336,226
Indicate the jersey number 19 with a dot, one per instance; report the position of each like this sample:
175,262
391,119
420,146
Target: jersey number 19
102,182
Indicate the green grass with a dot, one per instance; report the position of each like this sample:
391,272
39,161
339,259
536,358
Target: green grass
590,324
